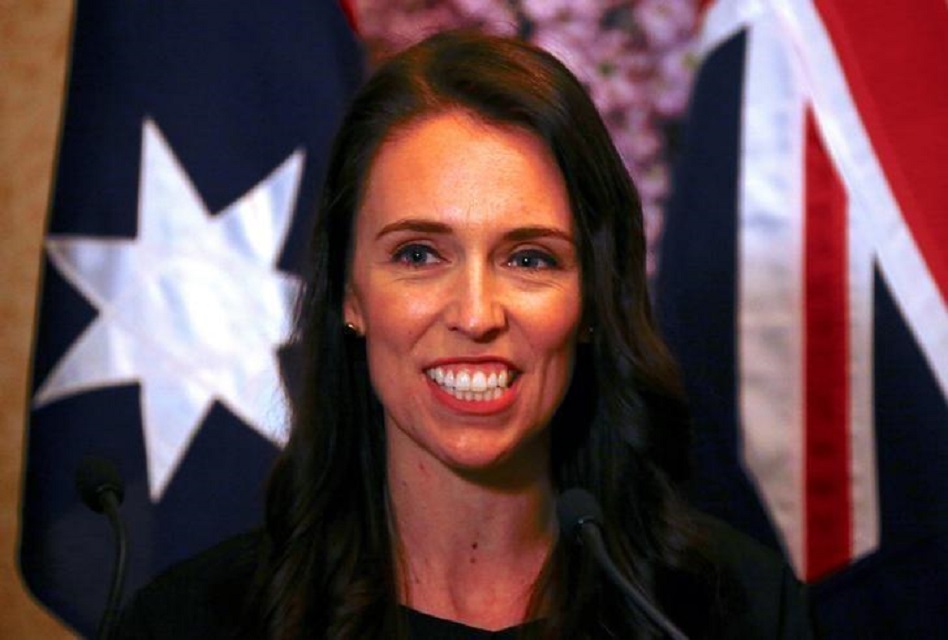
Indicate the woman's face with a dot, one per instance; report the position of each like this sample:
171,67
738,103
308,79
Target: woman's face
465,281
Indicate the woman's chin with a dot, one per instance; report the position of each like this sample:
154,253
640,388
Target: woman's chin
500,466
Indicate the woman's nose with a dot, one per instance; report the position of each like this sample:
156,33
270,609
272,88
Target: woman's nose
475,307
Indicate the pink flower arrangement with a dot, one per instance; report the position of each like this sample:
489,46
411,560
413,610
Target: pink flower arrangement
634,56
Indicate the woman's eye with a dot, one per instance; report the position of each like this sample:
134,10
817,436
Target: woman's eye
416,255
532,259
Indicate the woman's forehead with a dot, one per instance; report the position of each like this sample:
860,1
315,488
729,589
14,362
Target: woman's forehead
460,168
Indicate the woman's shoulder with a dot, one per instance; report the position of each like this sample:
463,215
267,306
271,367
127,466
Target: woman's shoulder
758,594
201,597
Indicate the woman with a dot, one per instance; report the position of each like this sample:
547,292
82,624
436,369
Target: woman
478,338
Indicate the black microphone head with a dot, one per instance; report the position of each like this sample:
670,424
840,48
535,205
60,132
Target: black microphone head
94,478
574,508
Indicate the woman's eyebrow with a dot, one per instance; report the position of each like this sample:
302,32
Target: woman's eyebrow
521,234
412,224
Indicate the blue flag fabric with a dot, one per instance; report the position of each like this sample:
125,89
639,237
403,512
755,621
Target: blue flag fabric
191,156
800,294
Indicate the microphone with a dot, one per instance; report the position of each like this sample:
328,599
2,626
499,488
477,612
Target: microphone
101,488
580,518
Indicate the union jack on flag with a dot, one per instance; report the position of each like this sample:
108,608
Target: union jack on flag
804,288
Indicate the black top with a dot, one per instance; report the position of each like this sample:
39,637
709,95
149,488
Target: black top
201,598
422,625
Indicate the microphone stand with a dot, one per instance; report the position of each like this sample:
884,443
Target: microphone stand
592,540
579,515
101,488
110,506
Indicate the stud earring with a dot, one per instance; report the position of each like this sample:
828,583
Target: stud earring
352,330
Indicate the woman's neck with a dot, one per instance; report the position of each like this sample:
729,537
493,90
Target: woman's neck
471,546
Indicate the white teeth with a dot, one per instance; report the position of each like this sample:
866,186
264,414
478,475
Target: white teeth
477,386
479,382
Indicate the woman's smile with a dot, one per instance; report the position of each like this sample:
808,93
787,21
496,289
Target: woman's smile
483,387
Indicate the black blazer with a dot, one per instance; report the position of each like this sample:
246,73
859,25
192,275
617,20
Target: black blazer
201,598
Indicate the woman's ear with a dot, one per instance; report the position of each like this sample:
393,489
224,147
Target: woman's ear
352,311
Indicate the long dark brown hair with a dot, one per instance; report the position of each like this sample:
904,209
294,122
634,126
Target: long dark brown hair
620,432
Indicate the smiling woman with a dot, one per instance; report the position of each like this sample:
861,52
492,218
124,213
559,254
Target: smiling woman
478,339
464,270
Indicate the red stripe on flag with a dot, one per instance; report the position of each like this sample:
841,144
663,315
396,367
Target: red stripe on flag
348,8
828,529
893,55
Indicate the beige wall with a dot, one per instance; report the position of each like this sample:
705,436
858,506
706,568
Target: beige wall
33,42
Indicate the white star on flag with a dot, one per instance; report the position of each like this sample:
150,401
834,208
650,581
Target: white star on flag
193,309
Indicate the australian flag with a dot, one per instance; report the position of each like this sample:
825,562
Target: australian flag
194,141
804,288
